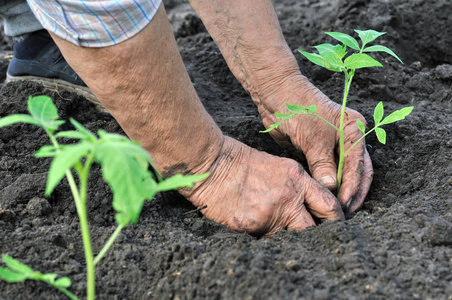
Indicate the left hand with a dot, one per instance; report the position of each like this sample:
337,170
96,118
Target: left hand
318,140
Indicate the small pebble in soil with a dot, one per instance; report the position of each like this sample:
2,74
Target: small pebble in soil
439,233
444,72
293,265
7,215
39,207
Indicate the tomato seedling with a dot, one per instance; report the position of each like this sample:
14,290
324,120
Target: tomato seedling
125,167
333,58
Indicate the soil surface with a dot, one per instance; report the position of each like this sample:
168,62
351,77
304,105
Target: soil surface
399,246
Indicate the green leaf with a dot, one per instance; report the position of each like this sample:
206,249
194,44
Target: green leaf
49,278
397,115
280,115
272,126
368,36
345,39
336,50
71,134
318,60
381,135
19,118
295,108
44,112
62,282
122,218
46,151
88,134
114,137
360,60
361,126
125,169
11,276
179,181
17,266
378,113
312,109
379,48
332,54
64,160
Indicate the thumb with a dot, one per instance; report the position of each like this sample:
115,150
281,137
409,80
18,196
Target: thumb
323,166
321,203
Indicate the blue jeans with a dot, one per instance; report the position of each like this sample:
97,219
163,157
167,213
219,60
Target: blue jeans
18,19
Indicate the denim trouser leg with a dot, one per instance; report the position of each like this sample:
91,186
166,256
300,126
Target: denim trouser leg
18,18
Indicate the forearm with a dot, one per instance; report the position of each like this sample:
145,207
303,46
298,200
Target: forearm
144,85
250,38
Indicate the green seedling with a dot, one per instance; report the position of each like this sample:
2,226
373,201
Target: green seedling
17,272
334,58
125,167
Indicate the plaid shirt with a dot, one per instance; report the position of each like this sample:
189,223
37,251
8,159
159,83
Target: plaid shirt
95,23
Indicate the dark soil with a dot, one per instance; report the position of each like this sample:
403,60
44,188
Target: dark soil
399,246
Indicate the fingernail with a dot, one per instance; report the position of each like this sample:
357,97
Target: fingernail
327,181
349,202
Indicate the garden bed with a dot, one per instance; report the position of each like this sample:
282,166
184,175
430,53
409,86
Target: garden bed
399,246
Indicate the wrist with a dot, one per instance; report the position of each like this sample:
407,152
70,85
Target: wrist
270,70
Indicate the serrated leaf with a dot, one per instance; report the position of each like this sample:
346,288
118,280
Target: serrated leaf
345,39
44,112
135,148
397,115
368,36
332,54
361,126
17,266
272,126
113,136
89,135
71,134
281,115
312,109
379,48
295,108
63,282
46,151
336,50
11,276
18,118
318,60
122,218
49,278
378,113
360,60
125,169
65,159
381,135
179,181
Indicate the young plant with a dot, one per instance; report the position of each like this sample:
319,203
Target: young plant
125,167
333,58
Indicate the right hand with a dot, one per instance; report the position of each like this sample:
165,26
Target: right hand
255,192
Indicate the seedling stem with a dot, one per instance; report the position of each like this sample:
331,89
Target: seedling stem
332,57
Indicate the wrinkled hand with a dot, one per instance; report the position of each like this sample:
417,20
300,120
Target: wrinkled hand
255,192
319,141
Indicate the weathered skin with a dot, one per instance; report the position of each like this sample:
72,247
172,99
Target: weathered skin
144,85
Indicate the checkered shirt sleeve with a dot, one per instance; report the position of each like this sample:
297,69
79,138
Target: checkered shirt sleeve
94,23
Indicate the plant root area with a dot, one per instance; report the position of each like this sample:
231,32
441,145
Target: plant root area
398,246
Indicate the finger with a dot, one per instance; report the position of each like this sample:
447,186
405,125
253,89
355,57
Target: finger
364,187
352,174
301,219
323,166
321,203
